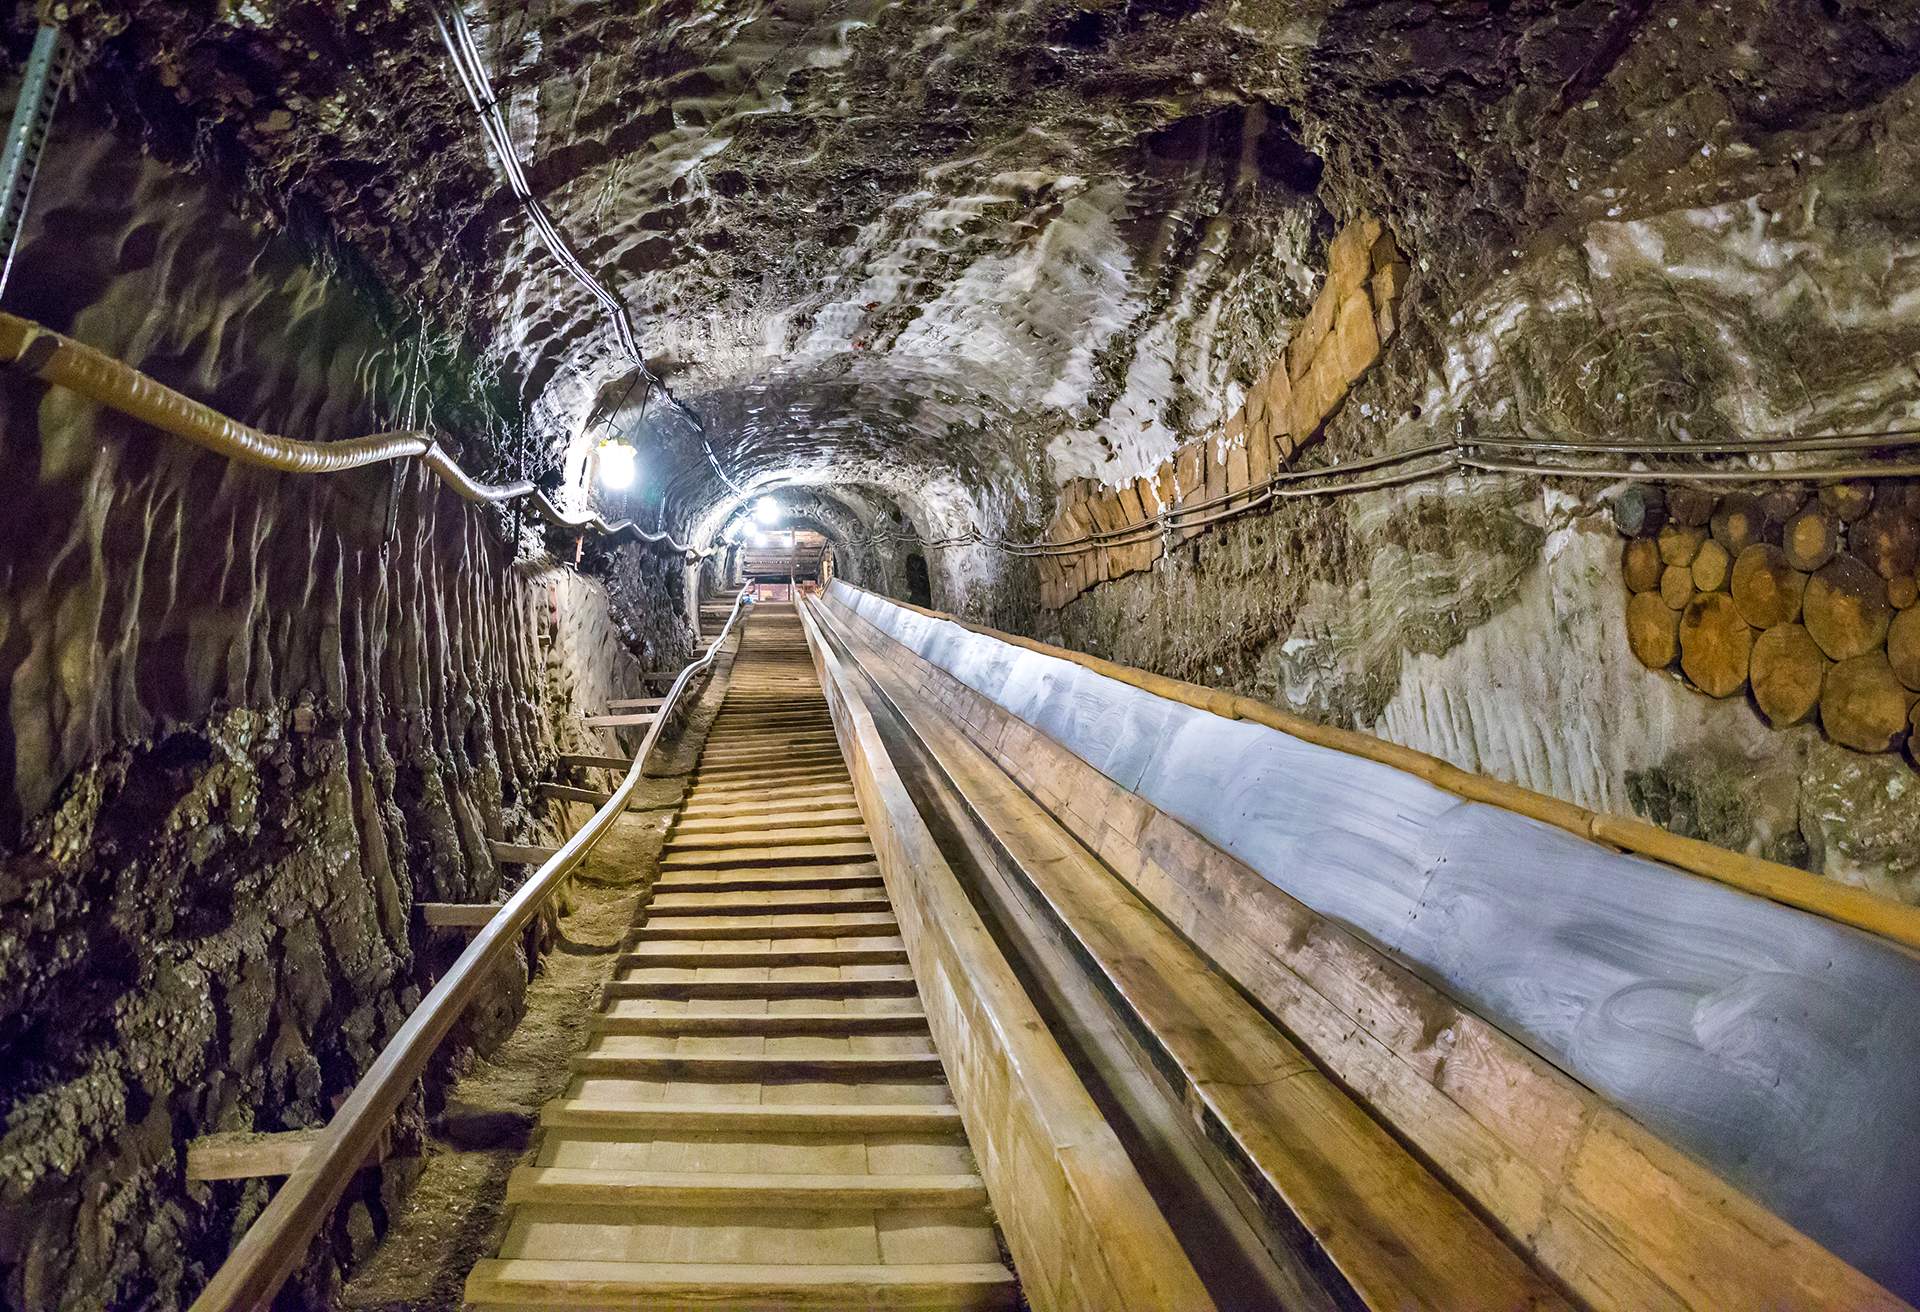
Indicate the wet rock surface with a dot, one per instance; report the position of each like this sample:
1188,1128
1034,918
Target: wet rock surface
250,721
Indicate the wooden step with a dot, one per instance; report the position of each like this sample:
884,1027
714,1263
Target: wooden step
824,1024
687,990
801,902
646,1285
818,818
846,874
830,772
751,1117
835,796
673,958
849,1067
571,1187
622,720
747,926
771,731
577,761
754,836
784,854
776,751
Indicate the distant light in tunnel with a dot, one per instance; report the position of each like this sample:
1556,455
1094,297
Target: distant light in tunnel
767,511
618,465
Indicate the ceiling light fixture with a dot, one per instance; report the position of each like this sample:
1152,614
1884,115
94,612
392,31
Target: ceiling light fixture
767,511
618,465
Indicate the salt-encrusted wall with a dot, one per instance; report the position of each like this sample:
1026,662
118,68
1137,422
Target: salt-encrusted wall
247,721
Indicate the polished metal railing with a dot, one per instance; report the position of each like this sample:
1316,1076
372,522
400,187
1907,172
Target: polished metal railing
277,1242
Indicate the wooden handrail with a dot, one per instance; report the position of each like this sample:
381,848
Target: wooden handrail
1787,885
278,1240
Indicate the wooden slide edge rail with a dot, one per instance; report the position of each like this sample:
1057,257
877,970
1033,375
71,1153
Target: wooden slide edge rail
1787,885
277,1241
1083,1230
1619,1217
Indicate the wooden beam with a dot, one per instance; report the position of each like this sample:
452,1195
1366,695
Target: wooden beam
567,793
619,721
521,854
573,761
635,703
253,1154
1072,1205
457,915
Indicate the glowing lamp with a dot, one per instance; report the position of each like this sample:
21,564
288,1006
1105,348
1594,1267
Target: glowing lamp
767,511
617,465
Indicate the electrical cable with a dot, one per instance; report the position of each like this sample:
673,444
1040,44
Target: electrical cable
470,68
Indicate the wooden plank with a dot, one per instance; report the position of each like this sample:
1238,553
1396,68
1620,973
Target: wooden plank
520,1281
521,854
697,960
681,990
628,1189
791,854
621,721
694,1066
252,1155
1078,1219
576,761
635,703
457,915
753,1118
824,1023
757,927
750,836
568,793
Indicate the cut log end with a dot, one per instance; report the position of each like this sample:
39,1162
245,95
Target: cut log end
1738,523
1653,630
1863,706
1847,502
1887,542
1846,608
1711,567
1767,589
1639,510
1680,543
1788,669
1640,565
1810,539
1692,506
1903,647
1716,646
1676,586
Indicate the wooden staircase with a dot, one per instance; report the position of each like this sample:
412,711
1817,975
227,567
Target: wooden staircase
760,1119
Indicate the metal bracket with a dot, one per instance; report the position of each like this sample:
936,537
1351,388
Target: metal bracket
26,139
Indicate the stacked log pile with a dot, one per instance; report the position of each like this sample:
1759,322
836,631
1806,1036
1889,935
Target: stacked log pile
1803,599
1284,411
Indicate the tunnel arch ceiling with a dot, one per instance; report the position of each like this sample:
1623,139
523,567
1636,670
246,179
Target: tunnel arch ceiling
966,254
941,252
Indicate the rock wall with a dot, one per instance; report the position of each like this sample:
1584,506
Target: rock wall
249,720
1480,617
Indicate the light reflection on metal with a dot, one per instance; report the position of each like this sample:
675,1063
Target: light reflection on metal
27,136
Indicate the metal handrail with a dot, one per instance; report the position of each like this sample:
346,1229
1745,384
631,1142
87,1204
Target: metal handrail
278,1240
56,358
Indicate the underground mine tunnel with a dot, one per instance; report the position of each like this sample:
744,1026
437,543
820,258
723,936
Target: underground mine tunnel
1075,654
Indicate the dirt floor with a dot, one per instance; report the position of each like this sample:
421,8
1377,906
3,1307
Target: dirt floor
455,1213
